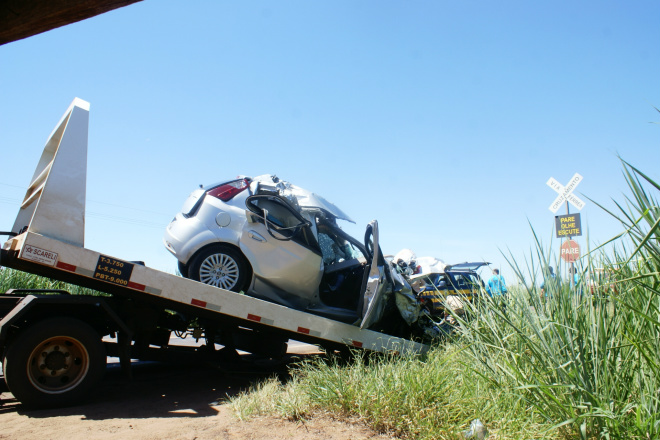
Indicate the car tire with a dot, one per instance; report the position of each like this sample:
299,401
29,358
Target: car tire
183,269
220,266
54,363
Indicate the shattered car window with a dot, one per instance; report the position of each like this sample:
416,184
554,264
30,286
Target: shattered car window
336,249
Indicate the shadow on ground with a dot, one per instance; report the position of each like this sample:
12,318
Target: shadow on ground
164,389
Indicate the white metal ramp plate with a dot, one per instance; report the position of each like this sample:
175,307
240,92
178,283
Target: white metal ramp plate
54,204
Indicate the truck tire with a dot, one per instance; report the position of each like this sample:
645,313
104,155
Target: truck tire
220,266
54,363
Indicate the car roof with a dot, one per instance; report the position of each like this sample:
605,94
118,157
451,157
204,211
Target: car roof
306,200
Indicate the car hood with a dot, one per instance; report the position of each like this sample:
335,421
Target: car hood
310,200
305,199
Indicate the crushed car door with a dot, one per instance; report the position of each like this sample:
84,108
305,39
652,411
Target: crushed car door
374,291
285,256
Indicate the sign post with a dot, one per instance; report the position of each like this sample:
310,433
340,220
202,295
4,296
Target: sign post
568,225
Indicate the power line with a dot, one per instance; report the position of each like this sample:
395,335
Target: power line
114,205
94,214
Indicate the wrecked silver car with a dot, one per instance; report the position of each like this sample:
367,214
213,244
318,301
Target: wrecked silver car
275,241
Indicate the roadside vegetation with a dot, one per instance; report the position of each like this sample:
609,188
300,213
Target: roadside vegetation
15,279
579,361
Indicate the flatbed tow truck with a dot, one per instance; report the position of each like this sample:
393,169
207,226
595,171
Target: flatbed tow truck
54,345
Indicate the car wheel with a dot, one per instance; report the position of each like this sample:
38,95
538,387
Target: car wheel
220,266
54,363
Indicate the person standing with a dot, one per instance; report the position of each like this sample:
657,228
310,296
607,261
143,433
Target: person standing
576,278
496,285
551,280
575,283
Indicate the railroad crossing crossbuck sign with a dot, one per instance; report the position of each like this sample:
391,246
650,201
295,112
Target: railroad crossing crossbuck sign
566,193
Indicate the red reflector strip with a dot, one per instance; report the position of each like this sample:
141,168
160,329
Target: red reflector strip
137,286
357,344
303,330
66,266
252,317
197,302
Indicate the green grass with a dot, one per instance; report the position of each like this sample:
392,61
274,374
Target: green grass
435,397
15,279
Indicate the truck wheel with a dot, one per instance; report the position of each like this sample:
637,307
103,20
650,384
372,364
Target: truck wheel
54,363
220,266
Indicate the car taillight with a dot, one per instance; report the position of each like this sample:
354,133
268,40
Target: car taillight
228,191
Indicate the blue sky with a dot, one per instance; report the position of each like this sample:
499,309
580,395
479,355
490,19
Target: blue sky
443,120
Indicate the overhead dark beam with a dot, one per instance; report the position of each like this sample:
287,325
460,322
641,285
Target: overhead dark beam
23,18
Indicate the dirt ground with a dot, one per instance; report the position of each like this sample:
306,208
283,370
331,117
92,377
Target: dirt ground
164,401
